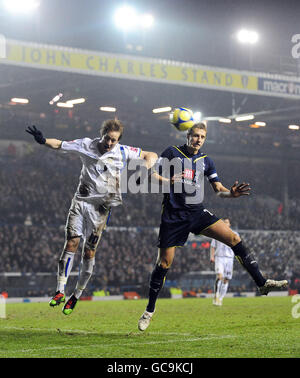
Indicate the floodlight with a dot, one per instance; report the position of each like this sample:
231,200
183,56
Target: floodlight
197,117
146,20
21,6
20,100
247,36
56,98
162,110
294,127
107,109
126,18
246,117
64,105
224,120
76,101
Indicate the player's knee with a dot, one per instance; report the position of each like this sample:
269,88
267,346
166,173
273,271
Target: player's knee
89,253
234,240
71,244
165,258
165,262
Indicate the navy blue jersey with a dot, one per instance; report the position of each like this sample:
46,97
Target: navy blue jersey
188,193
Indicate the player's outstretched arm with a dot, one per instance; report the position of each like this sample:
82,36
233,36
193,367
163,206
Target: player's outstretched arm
53,143
39,138
149,157
164,180
237,190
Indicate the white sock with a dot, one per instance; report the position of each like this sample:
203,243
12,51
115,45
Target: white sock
65,265
218,288
86,271
223,289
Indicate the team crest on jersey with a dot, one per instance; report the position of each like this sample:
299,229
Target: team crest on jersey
189,174
133,149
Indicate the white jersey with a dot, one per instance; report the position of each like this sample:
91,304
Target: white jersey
100,174
221,249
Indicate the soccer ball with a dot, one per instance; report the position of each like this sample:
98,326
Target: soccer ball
182,119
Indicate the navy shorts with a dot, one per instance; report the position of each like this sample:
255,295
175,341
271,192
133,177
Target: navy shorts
176,224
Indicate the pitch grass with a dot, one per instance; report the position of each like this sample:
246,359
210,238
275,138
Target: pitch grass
183,328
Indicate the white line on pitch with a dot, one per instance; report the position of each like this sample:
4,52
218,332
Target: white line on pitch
116,344
80,331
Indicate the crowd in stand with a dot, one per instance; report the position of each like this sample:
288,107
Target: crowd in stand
126,258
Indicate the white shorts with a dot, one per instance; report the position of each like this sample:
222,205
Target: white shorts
87,220
224,266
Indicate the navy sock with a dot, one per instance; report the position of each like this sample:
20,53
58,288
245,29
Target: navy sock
156,283
247,260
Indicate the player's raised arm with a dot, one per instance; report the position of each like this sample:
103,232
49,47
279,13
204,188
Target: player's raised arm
53,143
39,138
149,157
237,190
158,169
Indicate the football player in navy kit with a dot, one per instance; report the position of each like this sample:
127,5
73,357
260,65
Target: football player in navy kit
183,168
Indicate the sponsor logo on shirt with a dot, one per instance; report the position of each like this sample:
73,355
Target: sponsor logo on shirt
189,174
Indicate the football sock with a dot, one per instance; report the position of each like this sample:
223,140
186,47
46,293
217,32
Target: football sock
64,268
217,288
246,259
86,271
223,289
157,280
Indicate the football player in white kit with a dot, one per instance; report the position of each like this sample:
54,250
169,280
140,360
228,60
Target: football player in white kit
222,256
99,189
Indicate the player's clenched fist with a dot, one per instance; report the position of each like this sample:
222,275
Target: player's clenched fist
37,134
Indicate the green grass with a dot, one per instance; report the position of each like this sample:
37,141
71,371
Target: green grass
182,328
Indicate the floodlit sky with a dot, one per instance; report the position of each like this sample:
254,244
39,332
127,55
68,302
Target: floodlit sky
194,31
200,31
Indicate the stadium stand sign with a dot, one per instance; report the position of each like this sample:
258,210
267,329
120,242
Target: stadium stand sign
97,63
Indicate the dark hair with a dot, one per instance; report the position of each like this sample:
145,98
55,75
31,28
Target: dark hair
199,125
112,125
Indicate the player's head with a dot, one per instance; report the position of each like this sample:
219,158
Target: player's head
112,125
111,132
196,136
227,221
